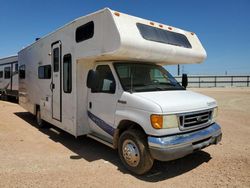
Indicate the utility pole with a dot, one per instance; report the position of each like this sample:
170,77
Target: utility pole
178,70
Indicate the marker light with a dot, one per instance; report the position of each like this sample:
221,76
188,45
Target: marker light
161,26
215,114
117,13
156,121
170,28
152,23
164,122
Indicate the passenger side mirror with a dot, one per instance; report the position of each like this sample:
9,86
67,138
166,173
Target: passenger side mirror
184,81
91,79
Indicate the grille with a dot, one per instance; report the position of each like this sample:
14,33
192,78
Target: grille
195,119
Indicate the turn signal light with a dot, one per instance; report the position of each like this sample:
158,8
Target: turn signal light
156,121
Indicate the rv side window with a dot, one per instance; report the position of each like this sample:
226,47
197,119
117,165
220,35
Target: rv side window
56,59
44,72
7,72
163,36
67,73
22,72
1,74
84,32
105,81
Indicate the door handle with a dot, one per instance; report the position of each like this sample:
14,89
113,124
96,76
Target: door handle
52,86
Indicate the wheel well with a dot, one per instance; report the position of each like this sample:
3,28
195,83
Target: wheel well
123,126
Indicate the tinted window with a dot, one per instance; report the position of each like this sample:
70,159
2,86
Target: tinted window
163,36
56,59
85,32
44,72
105,82
22,72
1,74
142,77
7,72
67,73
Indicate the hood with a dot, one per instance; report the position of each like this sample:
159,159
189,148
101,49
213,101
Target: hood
179,101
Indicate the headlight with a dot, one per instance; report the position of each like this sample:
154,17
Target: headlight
215,114
164,122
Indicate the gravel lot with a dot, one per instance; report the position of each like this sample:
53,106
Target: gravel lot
30,157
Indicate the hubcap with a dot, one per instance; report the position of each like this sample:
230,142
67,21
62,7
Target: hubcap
130,153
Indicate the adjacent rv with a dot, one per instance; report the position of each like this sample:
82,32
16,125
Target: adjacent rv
9,77
101,75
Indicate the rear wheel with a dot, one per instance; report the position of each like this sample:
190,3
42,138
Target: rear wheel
40,123
134,153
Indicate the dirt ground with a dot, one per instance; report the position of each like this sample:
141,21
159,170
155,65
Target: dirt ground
31,157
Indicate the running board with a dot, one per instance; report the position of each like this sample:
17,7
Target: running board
100,140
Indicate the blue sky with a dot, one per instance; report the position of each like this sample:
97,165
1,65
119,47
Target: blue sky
223,26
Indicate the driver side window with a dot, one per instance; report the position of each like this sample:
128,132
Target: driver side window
105,80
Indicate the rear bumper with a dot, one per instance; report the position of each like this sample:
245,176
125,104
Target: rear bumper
177,146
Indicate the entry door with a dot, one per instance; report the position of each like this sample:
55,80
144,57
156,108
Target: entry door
56,81
102,103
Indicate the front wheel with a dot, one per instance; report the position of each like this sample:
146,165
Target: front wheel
134,153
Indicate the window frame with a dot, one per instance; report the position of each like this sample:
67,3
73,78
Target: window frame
69,75
7,74
22,72
56,60
44,76
155,34
85,32
95,90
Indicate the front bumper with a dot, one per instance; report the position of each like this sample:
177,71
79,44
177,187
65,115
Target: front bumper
177,146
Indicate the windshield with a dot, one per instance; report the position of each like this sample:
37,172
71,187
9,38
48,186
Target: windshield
141,77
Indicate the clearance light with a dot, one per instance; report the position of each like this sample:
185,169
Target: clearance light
170,28
156,121
152,23
117,13
192,33
161,26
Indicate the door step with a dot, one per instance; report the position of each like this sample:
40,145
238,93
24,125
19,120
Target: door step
100,140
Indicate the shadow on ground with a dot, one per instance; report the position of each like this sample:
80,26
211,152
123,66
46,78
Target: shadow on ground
91,150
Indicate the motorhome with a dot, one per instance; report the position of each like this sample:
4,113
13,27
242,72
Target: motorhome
102,75
9,77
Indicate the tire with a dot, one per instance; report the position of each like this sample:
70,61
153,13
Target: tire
134,153
40,123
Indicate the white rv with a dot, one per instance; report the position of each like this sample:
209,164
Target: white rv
9,77
101,75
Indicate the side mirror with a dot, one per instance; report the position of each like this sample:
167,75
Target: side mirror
91,79
184,81
112,87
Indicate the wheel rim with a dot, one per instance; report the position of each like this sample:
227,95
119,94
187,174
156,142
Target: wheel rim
130,153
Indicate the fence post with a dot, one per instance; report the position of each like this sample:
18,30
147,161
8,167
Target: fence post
247,81
199,81
231,80
215,81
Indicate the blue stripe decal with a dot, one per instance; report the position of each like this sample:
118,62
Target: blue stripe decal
102,124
